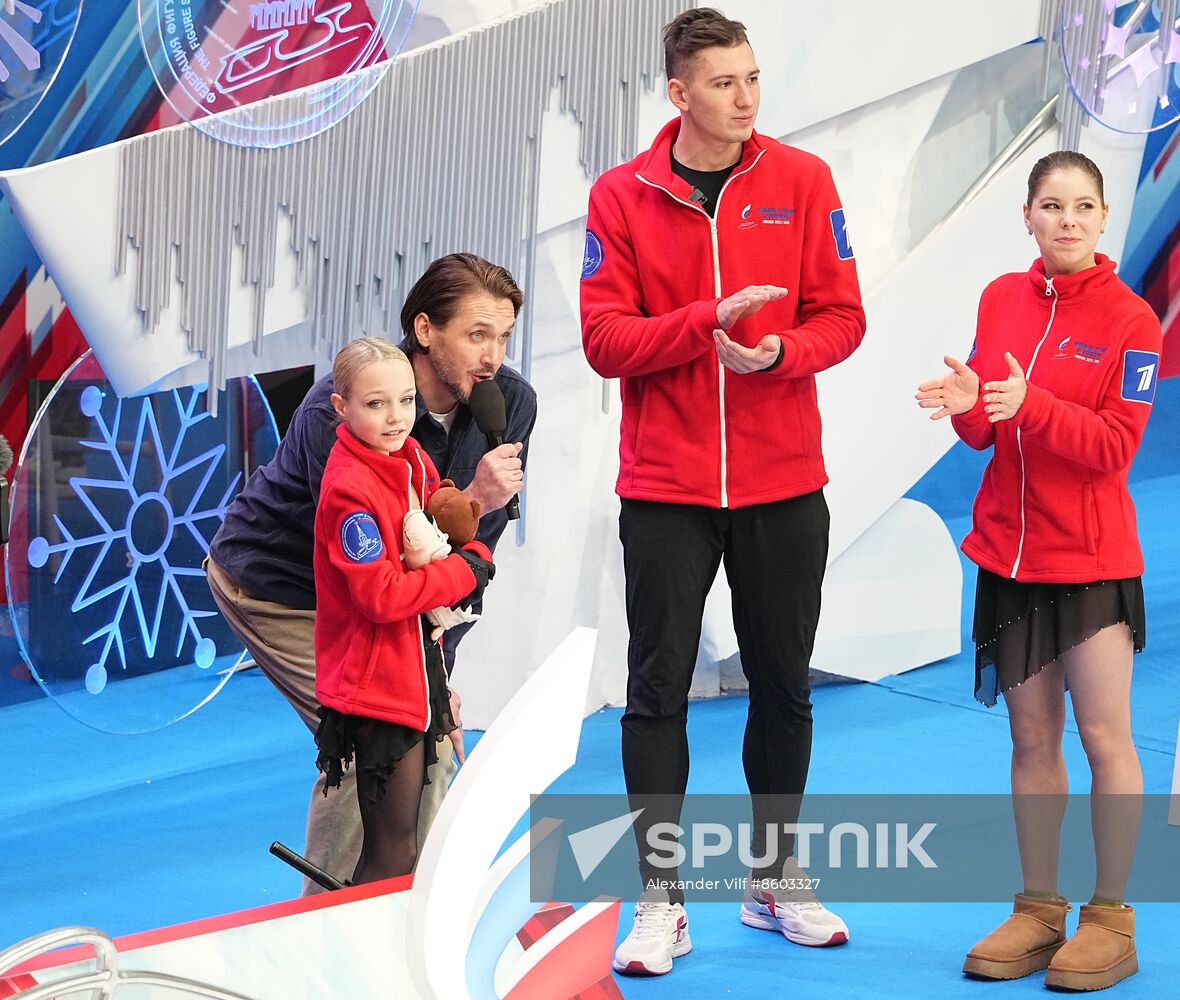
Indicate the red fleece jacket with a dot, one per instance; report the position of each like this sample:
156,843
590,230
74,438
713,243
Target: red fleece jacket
1053,506
369,652
656,267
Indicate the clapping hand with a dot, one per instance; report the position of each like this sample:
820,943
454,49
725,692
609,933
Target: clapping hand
744,360
745,303
1004,398
954,393
740,305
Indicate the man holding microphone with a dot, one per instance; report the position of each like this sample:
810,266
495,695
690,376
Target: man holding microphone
456,321
717,281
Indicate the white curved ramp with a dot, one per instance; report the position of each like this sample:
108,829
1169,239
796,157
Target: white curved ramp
533,741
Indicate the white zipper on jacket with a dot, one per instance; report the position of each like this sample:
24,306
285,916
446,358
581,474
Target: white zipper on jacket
712,219
418,630
1049,291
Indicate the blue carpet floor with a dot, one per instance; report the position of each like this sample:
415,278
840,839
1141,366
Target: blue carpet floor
130,833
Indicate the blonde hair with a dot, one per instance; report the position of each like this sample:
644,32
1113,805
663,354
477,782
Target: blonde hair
358,354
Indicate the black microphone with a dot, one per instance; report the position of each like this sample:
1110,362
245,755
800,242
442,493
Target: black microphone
698,197
487,407
5,465
306,868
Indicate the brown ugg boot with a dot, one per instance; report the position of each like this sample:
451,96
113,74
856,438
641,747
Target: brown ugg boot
1024,943
1101,953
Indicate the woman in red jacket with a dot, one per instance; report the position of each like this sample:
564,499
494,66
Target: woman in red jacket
379,675
1068,358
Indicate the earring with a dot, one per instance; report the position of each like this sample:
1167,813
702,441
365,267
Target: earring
1030,232
1102,230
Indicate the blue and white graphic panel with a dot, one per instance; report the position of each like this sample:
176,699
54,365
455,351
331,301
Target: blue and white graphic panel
115,502
35,37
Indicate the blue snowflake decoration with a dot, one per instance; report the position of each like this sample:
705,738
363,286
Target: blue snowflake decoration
151,525
115,504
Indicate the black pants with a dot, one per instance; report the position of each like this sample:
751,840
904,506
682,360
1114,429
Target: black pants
775,555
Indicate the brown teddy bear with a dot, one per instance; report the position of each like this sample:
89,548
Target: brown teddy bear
449,522
454,513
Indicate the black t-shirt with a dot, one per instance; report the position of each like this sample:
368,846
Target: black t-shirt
707,183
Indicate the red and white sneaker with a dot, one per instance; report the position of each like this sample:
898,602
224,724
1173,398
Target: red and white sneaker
659,934
796,914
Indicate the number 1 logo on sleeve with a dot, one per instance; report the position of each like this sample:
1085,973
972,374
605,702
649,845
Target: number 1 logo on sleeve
1140,375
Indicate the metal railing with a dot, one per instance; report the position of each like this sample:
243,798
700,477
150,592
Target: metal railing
105,979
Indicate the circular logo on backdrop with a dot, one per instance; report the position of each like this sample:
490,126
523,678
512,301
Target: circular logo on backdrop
591,256
1123,65
216,61
35,37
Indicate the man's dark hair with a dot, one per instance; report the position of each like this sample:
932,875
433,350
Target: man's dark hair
446,283
700,28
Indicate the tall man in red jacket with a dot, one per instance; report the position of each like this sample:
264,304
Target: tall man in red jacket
717,280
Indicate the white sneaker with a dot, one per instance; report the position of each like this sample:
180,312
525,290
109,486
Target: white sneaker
796,914
659,934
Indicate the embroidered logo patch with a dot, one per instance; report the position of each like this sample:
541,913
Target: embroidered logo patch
1140,374
1070,348
765,216
750,218
360,538
592,256
840,231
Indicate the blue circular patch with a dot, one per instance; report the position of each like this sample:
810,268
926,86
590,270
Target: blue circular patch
592,256
360,538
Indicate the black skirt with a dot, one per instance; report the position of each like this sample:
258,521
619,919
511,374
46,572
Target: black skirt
1020,628
378,745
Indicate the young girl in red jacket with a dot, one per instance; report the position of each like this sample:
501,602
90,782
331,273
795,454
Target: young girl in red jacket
379,675
1068,358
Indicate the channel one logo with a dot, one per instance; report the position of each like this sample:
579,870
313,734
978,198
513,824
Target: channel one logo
269,73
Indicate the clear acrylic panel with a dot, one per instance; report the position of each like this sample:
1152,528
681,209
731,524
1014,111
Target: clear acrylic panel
1123,64
217,63
35,37
114,503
